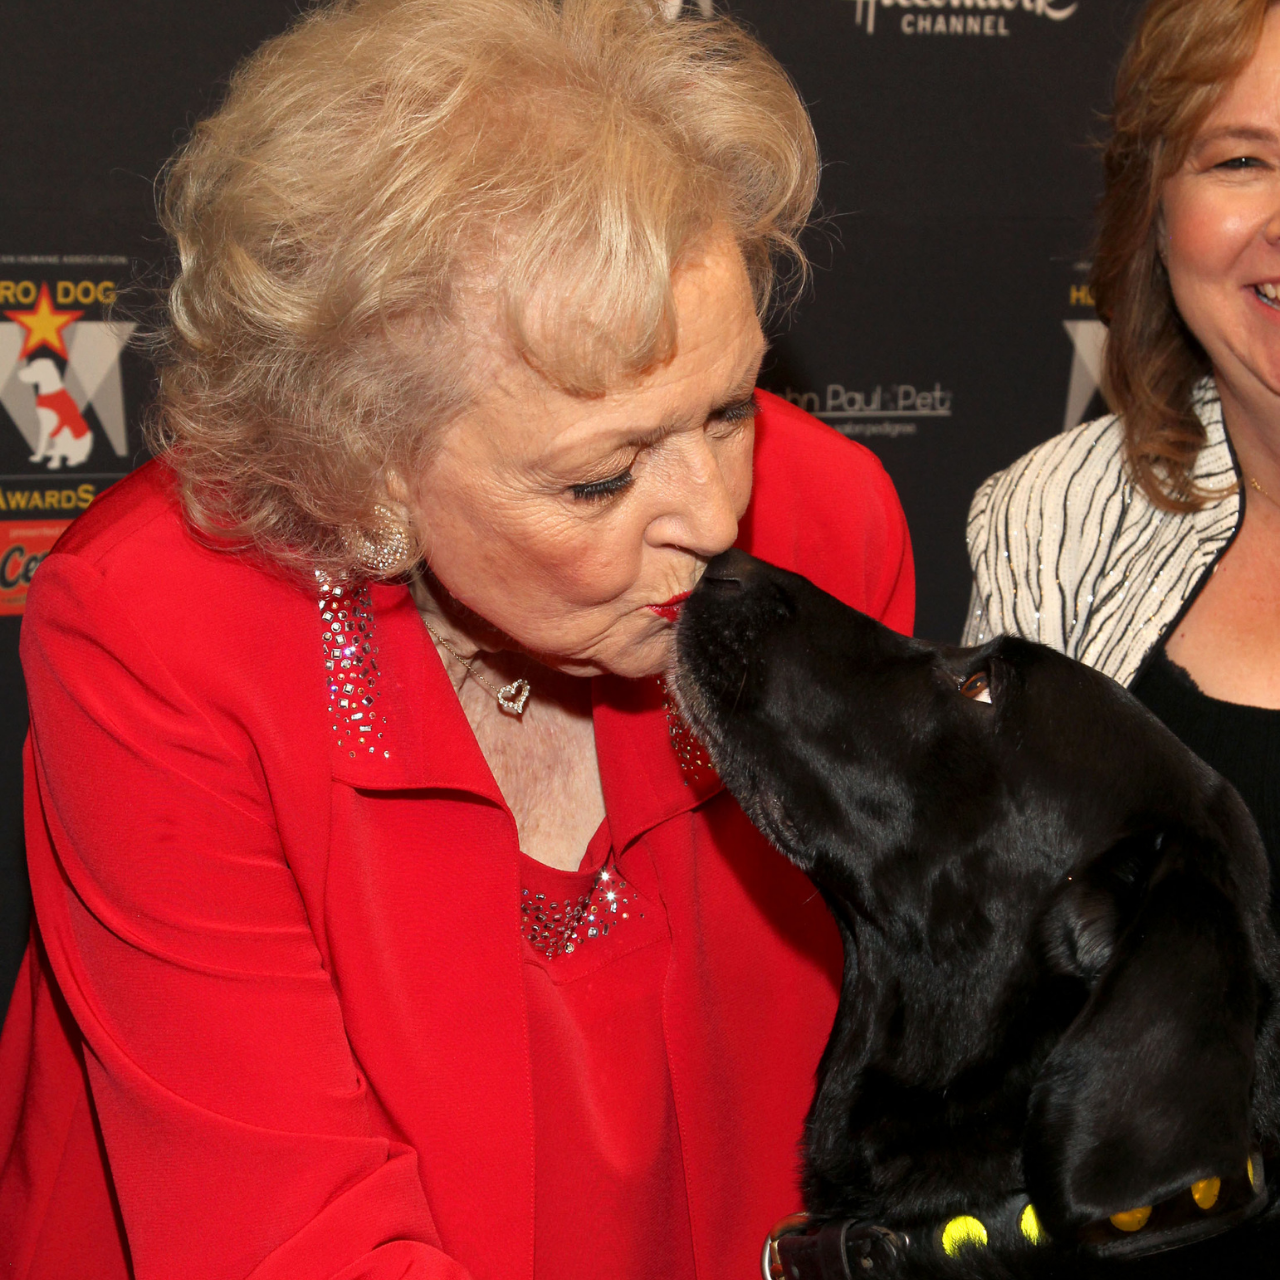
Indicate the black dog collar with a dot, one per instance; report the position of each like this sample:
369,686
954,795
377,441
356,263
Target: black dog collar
799,1248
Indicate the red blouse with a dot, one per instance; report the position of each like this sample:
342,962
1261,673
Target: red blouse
606,1145
278,1019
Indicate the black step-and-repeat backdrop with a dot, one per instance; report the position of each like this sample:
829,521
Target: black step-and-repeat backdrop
949,326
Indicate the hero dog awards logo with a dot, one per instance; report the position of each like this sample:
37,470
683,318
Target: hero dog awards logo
63,435
955,17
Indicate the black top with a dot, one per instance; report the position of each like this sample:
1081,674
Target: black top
1242,743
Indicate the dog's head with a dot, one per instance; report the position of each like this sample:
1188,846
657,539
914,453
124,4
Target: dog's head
1059,955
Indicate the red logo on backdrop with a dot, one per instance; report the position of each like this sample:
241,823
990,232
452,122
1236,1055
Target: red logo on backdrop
22,547
63,429
62,438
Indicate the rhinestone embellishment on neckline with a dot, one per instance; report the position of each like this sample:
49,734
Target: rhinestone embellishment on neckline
351,667
559,928
695,763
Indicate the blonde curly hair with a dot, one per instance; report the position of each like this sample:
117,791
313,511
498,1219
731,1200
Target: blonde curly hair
388,172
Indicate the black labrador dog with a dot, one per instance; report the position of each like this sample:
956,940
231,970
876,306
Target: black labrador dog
1057,1051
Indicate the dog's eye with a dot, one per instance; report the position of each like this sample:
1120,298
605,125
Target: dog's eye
977,687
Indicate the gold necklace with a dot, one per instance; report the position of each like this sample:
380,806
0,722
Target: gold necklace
511,697
1262,491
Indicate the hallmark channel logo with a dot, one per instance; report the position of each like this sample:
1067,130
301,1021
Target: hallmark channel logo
885,411
957,17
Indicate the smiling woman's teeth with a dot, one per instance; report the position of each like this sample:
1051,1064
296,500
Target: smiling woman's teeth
1268,292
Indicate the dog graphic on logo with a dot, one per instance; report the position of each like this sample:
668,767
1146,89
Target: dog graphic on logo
64,434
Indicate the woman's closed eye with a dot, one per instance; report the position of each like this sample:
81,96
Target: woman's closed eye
729,418
594,490
743,410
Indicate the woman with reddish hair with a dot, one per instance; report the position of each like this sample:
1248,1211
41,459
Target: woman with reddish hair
1148,543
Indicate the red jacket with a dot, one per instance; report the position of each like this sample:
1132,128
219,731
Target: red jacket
273,1017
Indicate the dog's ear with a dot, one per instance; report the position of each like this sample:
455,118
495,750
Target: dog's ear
1148,1091
1081,929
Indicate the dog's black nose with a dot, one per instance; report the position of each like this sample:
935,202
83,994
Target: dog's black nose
730,569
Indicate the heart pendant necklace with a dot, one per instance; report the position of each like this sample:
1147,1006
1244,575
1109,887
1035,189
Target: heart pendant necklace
511,697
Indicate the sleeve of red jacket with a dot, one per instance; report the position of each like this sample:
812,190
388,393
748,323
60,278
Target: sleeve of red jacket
235,1118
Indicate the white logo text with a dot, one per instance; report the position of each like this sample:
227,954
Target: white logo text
865,10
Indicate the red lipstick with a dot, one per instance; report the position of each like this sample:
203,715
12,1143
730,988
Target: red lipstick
671,609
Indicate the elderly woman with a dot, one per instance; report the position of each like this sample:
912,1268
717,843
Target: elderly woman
1148,543
389,921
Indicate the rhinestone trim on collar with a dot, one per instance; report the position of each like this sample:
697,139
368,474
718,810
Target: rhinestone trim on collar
695,763
351,667
558,928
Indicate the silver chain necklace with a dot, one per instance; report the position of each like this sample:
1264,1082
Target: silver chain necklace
511,697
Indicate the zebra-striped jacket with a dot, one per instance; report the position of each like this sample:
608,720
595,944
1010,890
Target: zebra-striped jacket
1066,550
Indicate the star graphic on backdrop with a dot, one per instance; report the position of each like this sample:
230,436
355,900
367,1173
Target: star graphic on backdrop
1089,340
44,325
